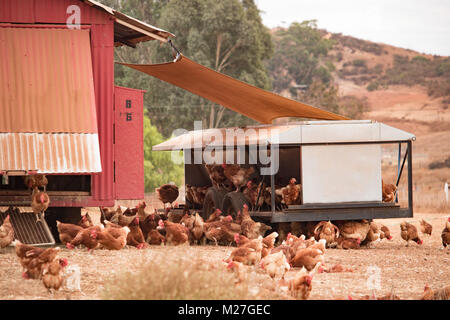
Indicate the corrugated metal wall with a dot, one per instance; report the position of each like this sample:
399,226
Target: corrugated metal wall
102,44
129,153
50,153
46,81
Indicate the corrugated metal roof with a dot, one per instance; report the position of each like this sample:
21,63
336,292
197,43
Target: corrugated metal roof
130,31
221,137
294,133
50,153
46,82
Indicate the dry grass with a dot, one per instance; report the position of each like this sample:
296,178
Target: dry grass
183,275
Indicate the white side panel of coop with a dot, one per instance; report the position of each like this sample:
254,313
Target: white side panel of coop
341,173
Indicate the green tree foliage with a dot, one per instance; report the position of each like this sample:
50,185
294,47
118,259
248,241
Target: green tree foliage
158,165
301,58
297,56
227,36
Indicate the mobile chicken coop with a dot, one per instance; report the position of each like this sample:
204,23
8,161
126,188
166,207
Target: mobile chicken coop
338,164
60,112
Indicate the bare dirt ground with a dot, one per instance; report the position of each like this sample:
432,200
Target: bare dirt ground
404,270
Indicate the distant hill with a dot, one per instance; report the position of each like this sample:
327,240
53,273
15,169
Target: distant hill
405,89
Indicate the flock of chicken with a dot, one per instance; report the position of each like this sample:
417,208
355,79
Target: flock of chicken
303,247
299,245
225,176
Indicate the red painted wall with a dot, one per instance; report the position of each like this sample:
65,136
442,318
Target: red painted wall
129,143
102,46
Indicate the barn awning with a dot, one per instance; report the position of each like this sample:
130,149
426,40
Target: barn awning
253,102
48,120
128,30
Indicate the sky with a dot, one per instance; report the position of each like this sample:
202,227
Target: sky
419,25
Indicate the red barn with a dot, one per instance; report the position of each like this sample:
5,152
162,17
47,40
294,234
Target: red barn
60,113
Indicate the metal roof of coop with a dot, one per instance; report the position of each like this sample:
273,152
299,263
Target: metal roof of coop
295,133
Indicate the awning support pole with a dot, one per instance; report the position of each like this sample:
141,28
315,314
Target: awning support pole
398,167
401,169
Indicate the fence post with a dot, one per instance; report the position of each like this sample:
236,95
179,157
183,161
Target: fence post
446,192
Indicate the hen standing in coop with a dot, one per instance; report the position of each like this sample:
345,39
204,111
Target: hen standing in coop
6,233
388,191
251,193
292,193
39,203
36,181
216,174
237,175
199,194
167,193
409,233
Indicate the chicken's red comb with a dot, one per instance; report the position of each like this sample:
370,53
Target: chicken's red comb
245,206
63,262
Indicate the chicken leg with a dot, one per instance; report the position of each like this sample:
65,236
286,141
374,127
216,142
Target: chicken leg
39,218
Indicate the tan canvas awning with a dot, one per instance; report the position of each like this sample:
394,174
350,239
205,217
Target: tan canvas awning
253,102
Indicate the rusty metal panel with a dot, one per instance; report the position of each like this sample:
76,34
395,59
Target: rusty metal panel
50,153
46,81
102,44
129,143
